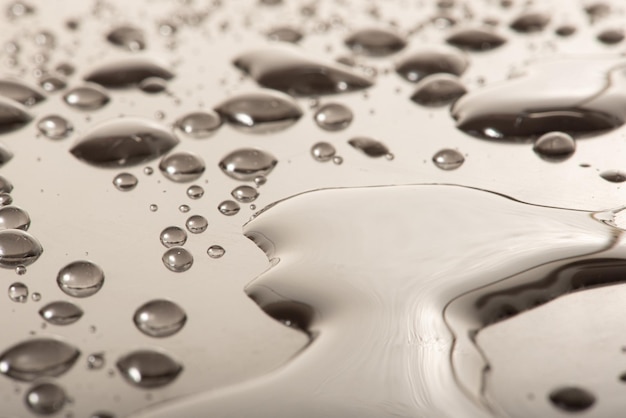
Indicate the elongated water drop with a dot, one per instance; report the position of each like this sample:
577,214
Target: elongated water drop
182,167
20,92
61,313
52,84
529,22
12,115
18,248
148,368
369,146
127,72
614,176
476,39
199,124
333,117
572,399
80,279
448,159
160,318
418,65
247,163
46,399
55,127
37,358
285,34
14,217
375,42
87,97
216,251
196,224
153,85
611,36
438,90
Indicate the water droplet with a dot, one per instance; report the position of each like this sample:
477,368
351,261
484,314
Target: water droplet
148,171
611,36
260,181
124,142
148,369
36,358
438,90
572,399
127,72
153,85
18,248
245,194
12,115
199,124
614,176
260,112
52,84
45,399
448,159
96,361
5,157
102,414
36,297
173,236
160,318
55,127
196,224
228,208
87,97
65,69
247,163
338,160
19,9
375,42
293,72
61,313
529,22
195,192
184,208
285,34
125,182
80,279
20,92
5,185
5,199
565,30
416,66
369,146
476,39
127,37
167,28
333,117
597,11
323,151
182,167
18,292
13,217
555,146
153,208
216,251
20,270
177,259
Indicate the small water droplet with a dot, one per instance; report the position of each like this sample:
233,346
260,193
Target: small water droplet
18,248
196,224
614,176
125,182
416,66
260,181
375,42
572,399
199,124
80,279
244,194
12,115
96,361
216,251
184,208
369,146
177,259
153,208
228,208
195,192
127,72
173,236
160,318
52,83
45,399
167,28
611,36
148,171
61,313
285,34
20,270
438,90
13,217
20,92
530,22
182,167
476,39
65,69
36,358
18,292
333,117
18,9
337,160
55,127
247,163
87,97
36,297
148,369
128,37
323,151
555,146
448,159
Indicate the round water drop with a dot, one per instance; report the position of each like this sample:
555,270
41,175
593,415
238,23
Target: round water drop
13,217
438,90
18,9
61,313
173,236
160,318
18,292
5,199
245,194
153,85
448,159
127,37
65,68
36,297
12,115
260,181
184,208
5,185
125,182
182,167
247,163
177,259
614,176
337,160
216,251
196,224
555,146
153,208
148,369
55,127
195,192
148,171
323,151
18,248
611,36
369,146
199,125
421,64
375,42
87,97
45,399
572,399
530,22
333,117
80,279
20,270
96,361
285,34
228,208
37,358
476,39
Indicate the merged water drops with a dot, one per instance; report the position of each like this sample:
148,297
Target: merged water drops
61,313
323,151
37,358
196,224
177,259
173,236
18,248
476,39
333,117
555,146
127,72
128,37
124,142
125,182
87,97
45,399
245,194
572,399
12,115
418,65
375,42
18,292
20,92
260,112
369,146
199,124
182,167
529,22
248,163
228,207
55,127
438,90
80,279
148,369
160,318
448,159
14,217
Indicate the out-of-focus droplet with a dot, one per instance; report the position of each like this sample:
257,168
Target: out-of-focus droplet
127,72
87,97
247,163
369,146
18,292
153,85
61,313
125,182
611,36
614,176
529,22
476,39
128,37
12,115
333,117
216,251
572,399
148,369
323,151
285,34
160,318
228,208
18,248
565,30
182,167
20,92
177,259
52,83
37,358
375,42
438,90
55,127
14,217
199,124
448,159
80,279
96,361
5,156
46,399
244,194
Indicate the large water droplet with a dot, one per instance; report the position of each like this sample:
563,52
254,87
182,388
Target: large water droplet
18,292
438,90
36,358
55,127
127,72
125,182
12,115
333,117
448,159
293,72
87,97
529,22
196,224
182,167
369,146
128,37
160,318
45,399
416,66
199,124
124,142
555,146
61,313
5,155
5,199
228,207
148,369
245,194
18,248
248,163
285,34
20,92
13,217
323,151
80,279
260,112
177,259
572,399
375,42
476,39
173,236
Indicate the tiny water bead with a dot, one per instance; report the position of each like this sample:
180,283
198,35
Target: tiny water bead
160,318
13,217
195,192
127,72
414,67
555,146
87,97
244,194
18,292
216,251
565,30
148,171
228,208
572,399
182,167
530,22
375,42
148,368
46,399
153,208
80,279
438,90
333,117
199,125
184,208
153,85
12,115
247,163
177,259
20,92
125,182
448,159
96,361
61,313
614,176
260,181
196,224
55,127
337,160
37,358
369,146
18,248
128,37
323,151
476,39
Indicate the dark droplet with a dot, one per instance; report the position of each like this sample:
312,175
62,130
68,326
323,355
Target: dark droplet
61,313
614,176
13,217
127,72
20,92
285,34
5,155
36,358
248,163
182,167
18,248
611,36
421,64
438,90
128,37
565,30
375,42
12,115
555,146
476,40
530,22
572,399
369,146
148,369
45,399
